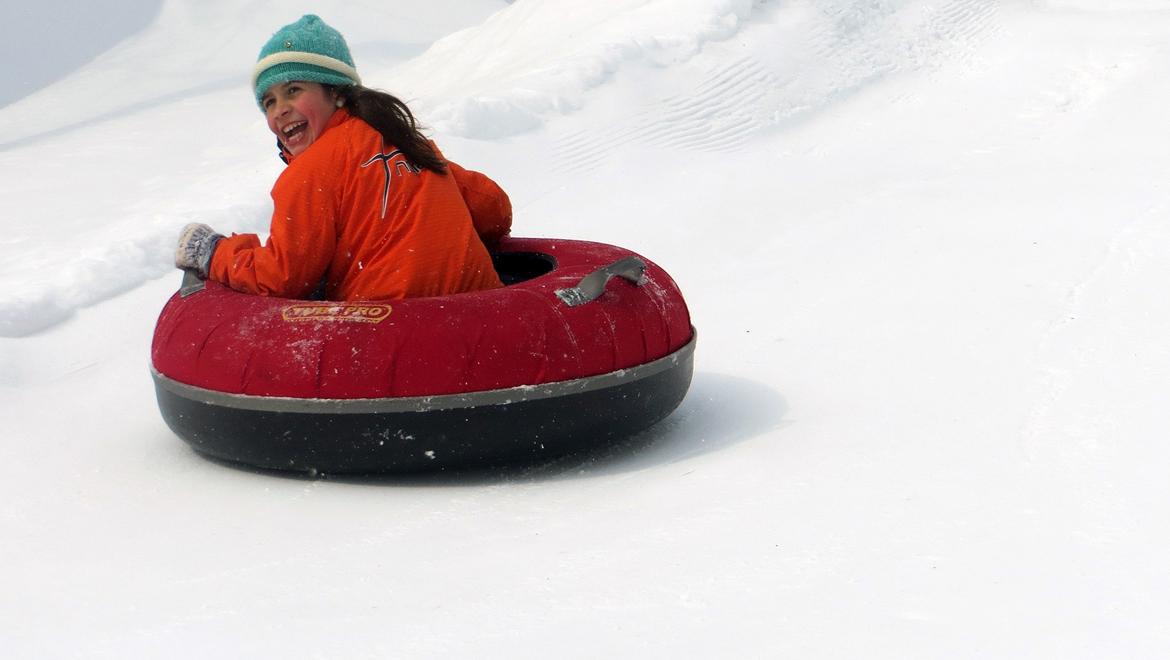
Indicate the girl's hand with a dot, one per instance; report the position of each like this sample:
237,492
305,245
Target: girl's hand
197,244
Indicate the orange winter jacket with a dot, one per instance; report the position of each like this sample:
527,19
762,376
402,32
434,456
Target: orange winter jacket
375,226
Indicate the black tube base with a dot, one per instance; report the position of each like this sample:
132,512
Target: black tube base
451,439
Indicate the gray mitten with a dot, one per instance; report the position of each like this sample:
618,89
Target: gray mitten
197,244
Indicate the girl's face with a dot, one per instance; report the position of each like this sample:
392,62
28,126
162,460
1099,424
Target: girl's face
298,112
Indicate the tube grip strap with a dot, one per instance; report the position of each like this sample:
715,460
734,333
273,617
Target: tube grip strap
592,285
191,283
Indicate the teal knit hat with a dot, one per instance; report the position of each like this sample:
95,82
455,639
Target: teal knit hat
306,50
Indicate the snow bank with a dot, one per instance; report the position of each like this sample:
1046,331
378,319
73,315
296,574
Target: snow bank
539,59
44,291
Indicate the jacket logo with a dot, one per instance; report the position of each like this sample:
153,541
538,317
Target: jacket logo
402,166
360,312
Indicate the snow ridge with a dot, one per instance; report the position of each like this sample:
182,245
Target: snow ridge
534,59
719,114
41,291
804,58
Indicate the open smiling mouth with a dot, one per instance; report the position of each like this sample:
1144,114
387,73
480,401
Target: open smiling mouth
294,132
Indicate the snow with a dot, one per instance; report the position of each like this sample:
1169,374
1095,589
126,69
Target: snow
923,243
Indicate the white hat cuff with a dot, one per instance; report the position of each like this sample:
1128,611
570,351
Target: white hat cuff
323,61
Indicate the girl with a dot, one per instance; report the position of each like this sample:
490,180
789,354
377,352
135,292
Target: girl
367,205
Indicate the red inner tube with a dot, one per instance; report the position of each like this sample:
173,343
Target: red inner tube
226,341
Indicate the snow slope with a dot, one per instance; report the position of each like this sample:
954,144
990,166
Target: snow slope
924,247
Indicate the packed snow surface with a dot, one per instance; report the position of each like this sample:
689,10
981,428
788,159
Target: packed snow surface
924,244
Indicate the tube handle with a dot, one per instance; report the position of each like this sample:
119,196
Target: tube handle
592,285
191,283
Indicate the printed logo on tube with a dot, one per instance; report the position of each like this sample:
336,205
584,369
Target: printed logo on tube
359,312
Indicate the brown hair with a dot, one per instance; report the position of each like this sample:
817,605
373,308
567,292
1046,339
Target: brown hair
389,116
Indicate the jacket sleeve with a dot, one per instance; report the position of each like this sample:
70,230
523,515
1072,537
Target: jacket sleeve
301,242
491,210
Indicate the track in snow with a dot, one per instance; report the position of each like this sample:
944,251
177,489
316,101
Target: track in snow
732,91
718,114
